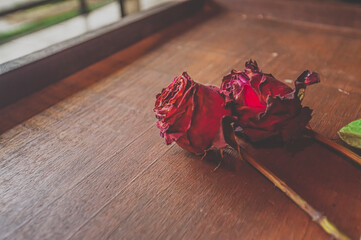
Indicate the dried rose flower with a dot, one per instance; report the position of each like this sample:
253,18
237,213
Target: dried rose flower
264,106
191,114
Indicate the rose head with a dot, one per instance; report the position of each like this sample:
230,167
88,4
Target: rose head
264,106
191,114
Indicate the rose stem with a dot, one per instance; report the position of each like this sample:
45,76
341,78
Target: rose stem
316,216
347,152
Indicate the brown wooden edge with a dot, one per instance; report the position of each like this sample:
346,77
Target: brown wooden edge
23,76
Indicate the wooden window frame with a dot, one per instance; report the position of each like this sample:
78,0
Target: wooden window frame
25,75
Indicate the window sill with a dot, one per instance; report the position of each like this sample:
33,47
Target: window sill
25,75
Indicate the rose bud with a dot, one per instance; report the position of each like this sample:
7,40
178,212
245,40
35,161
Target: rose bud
191,114
266,107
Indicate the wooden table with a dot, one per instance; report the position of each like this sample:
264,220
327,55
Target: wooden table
82,158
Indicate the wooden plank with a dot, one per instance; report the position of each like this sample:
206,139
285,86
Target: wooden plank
95,190
86,160
322,177
67,147
332,13
158,205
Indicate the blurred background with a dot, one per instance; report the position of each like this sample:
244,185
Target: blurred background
27,26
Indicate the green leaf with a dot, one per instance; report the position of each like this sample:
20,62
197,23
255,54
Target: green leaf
351,133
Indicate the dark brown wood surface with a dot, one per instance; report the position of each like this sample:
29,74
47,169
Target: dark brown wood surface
82,158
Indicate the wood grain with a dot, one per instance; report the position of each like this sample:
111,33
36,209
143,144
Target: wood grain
82,158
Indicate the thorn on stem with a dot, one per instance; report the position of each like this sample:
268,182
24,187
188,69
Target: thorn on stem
240,153
204,155
220,162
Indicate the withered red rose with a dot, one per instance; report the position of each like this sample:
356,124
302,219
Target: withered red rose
264,106
191,114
